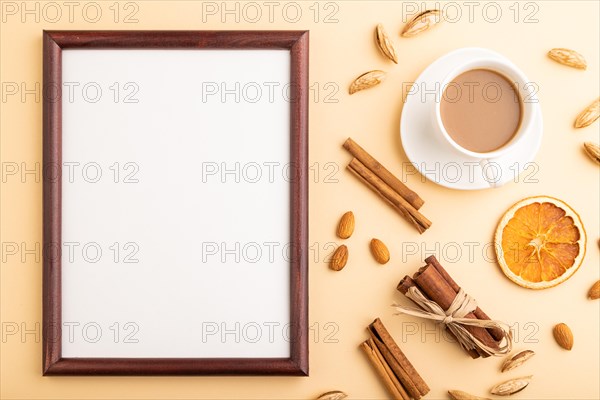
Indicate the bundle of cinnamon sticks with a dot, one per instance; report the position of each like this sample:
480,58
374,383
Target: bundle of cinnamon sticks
386,185
397,373
437,285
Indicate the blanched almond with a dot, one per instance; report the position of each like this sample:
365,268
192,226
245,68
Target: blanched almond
422,22
333,395
516,360
385,44
568,57
367,81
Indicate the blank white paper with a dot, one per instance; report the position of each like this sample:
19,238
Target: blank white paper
175,203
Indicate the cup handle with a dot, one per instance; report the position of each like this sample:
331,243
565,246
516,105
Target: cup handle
488,173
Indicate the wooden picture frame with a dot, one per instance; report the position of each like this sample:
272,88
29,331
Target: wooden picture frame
54,43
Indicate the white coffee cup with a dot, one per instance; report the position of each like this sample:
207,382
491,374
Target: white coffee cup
526,91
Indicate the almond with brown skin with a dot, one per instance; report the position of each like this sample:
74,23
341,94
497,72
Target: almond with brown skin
380,251
339,258
563,336
346,225
594,292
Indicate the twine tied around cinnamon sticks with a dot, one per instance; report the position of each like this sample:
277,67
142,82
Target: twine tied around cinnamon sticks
434,284
454,319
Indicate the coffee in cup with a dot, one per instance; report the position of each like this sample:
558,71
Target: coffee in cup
481,110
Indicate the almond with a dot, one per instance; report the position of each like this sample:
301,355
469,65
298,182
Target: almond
568,57
460,395
594,293
334,395
380,251
339,258
592,150
563,336
516,360
346,225
421,22
385,44
511,387
589,115
367,81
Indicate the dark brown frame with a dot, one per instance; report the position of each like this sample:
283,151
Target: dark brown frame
53,43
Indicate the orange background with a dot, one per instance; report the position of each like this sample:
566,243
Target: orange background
342,304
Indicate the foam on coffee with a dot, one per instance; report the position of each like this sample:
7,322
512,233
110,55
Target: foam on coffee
481,110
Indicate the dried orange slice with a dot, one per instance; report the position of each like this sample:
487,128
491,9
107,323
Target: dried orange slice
540,242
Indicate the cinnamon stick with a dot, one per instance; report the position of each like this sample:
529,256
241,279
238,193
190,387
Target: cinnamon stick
388,370
496,333
438,290
400,374
400,210
406,283
388,378
388,194
406,372
383,173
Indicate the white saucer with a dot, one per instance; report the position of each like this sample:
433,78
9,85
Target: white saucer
438,160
